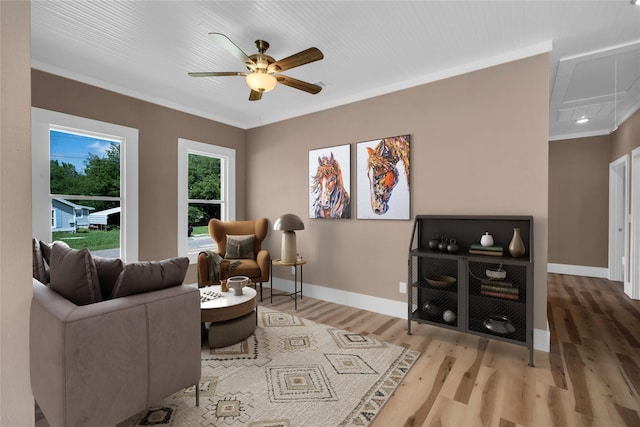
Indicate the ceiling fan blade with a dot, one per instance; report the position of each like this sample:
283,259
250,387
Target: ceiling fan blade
255,95
227,44
298,84
217,73
306,56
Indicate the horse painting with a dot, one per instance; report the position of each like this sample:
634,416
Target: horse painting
383,172
331,199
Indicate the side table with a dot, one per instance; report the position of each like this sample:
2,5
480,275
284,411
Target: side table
298,264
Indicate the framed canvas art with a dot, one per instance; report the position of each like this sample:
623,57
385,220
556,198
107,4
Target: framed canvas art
383,177
330,182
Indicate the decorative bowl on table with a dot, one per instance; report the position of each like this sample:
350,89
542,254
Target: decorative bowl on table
496,273
499,324
440,281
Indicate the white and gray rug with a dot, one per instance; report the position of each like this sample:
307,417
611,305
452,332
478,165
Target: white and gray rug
291,372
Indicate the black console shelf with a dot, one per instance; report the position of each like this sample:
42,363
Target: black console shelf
452,290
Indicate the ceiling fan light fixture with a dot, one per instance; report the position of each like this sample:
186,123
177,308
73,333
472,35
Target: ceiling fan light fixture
261,82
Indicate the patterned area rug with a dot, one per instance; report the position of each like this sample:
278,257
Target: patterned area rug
290,372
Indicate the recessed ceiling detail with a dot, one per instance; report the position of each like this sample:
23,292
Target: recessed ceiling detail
603,86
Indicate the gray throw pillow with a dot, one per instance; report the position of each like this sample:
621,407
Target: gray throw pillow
39,269
74,275
45,248
147,276
239,246
109,270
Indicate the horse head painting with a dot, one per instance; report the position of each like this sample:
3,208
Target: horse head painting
331,199
382,170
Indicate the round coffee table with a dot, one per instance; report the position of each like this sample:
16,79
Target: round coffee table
233,318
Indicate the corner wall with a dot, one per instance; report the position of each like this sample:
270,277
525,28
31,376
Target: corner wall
16,400
626,137
479,146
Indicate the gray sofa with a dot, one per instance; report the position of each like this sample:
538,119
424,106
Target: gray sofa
99,364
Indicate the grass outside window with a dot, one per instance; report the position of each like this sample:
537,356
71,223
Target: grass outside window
95,240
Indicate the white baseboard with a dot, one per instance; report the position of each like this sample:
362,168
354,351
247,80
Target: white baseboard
578,270
541,338
352,299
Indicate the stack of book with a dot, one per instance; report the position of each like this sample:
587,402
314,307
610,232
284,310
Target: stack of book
499,289
478,249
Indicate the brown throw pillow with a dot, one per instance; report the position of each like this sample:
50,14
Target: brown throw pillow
147,276
109,270
239,246
74,275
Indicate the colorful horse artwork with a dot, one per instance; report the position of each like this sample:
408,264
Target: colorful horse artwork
383,172
331,199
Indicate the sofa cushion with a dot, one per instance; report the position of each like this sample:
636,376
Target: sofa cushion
109,270
146,276
74,274
240,246
246,267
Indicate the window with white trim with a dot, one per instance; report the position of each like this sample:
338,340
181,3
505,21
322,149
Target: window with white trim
206,190
61,210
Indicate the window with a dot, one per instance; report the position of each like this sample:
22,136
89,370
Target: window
83,172
206,190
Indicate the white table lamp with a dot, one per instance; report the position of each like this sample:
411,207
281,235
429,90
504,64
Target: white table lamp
288,223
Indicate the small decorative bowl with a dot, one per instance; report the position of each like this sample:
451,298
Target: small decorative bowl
441,281
496,273
499,324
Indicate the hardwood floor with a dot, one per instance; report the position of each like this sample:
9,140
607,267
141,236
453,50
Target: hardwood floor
590,377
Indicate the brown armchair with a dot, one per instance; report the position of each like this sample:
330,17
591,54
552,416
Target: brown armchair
255,265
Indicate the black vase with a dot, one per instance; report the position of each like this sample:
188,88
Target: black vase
433,243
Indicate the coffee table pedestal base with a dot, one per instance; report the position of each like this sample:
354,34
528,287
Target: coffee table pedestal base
227,332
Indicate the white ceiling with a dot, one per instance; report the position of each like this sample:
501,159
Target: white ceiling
145,49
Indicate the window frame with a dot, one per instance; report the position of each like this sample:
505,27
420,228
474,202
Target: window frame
227,190
42,122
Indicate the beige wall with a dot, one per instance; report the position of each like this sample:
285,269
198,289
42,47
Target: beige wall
626,137
16,401
479,146
579,201
159,130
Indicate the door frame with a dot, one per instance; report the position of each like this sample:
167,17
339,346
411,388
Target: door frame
619,207
634,265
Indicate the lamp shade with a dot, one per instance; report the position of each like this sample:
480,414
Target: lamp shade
288,222
261,82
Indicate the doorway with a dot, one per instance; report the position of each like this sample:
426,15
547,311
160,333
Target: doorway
618,224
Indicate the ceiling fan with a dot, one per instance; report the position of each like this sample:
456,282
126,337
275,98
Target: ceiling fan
264,71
